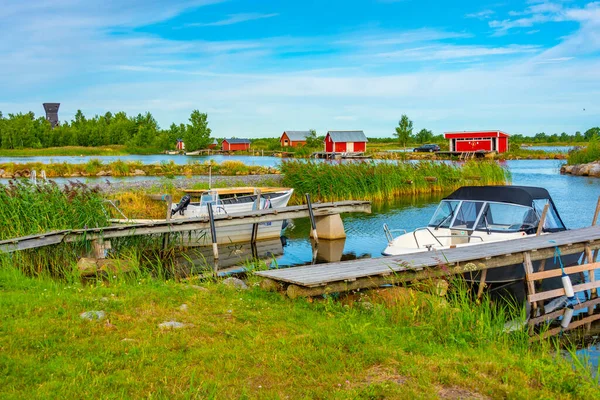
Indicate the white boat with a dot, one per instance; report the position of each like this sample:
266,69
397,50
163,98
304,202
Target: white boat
229,201
479,214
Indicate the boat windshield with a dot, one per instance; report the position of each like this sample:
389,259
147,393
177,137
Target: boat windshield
467,214
552,221
444,214
209,197
507,217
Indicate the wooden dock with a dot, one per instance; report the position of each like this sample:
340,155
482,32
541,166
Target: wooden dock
318,279
181,225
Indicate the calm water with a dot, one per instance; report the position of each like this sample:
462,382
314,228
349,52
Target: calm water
549,149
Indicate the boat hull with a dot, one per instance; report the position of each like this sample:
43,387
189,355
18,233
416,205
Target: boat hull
233,234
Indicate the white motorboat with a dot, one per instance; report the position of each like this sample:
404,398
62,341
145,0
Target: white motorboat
478,214
230,201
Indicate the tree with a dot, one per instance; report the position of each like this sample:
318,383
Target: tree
424,135
197,133
404,130
312,140
591,133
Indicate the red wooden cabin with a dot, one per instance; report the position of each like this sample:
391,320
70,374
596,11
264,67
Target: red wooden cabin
478,141
180,145
345,142
235,144
294,138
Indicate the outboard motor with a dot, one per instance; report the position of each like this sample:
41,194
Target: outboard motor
181,207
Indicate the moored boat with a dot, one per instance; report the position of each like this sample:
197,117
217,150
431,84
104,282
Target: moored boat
479,214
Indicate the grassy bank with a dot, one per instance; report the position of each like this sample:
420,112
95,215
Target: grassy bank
585,155
384,181
254,344
75,151
98,168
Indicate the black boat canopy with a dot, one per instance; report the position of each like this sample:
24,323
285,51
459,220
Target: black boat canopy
523,195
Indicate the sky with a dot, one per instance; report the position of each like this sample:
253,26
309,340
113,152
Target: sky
261,67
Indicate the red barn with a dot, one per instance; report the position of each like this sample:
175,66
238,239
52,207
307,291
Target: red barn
478,141
294,138
235,144
345,142
180,145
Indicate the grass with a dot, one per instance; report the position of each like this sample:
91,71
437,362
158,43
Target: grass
95,167
385,181
113,150
395,343
585,155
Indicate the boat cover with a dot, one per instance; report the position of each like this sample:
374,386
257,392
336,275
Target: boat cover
523,195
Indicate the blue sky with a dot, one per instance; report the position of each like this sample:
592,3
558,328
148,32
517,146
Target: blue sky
261,67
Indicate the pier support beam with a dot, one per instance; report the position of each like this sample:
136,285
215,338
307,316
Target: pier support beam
330,227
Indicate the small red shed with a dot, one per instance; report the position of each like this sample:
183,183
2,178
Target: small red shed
235,144
345,142
478,141
294,138
180,145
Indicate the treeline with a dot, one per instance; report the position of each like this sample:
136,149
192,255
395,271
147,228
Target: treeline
18,131
564,137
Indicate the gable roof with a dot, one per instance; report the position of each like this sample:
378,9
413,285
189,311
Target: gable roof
297,136
237,141
215,141
347,136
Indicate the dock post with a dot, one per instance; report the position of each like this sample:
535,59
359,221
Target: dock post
255,226
169,200
213,234
540,228
312,218
594,255
528,266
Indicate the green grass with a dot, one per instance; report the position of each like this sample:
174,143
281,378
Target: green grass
585,155
114,150
385,181
255,344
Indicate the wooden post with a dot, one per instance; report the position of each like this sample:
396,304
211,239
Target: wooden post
596,213
481,284
542,220
255,226
213,234
312,218
165,237
529,270
591,273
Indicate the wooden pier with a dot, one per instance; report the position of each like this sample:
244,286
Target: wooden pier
182,225
314,280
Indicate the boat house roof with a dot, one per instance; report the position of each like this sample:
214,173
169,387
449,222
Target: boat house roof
297,136
523,195
237,141
347,136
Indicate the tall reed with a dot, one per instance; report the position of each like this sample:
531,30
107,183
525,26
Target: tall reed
585,155
386,180
27,209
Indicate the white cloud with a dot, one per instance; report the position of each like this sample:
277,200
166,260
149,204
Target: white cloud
448,52
485,14
235,19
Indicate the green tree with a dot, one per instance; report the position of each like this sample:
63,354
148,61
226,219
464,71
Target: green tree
312,140
197,133
591,133
424,135
404,130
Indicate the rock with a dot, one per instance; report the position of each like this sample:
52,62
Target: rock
139,172
93,315
236,283
183,307
87,266
566,169
114,266
171,325
594,170
8,176
584,169
75,175
366,305
103,173
2,172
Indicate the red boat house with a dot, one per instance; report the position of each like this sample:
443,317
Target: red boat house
478,141
294,138
345,142
235,144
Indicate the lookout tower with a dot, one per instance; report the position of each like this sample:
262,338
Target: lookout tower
52,113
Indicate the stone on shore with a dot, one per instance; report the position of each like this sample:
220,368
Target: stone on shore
235,283
92,315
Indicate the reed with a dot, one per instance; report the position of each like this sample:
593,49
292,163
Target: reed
27,209
587,154
386,180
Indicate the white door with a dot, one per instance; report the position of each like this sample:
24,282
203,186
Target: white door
350,147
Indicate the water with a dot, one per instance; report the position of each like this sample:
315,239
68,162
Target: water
550,149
